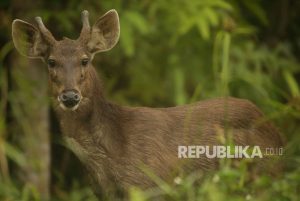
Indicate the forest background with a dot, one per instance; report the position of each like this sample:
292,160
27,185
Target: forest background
171,52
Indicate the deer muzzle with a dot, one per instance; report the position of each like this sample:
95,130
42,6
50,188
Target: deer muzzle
70,99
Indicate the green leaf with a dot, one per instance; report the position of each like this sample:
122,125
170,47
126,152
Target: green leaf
15,154
137,21
292,83
212,16
126,38
136,194
203,28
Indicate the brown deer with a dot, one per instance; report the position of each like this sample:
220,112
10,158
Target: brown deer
116,143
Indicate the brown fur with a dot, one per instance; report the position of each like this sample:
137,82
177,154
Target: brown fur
116,142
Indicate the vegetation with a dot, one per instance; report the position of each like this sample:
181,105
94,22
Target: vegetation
170,53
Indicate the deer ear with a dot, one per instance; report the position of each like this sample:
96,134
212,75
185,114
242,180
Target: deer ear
28,39
105,32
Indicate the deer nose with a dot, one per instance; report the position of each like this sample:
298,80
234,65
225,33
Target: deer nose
69,98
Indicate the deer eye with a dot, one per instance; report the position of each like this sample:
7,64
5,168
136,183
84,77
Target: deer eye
51,63
84,62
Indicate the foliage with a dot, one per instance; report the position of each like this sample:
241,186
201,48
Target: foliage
171,53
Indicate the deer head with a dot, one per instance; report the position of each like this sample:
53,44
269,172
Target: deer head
69,61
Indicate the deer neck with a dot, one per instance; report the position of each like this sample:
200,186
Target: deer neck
95,125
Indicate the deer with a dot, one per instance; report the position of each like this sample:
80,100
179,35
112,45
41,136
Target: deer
115,142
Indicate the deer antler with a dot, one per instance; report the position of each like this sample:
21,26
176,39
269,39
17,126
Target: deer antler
45,32
85,25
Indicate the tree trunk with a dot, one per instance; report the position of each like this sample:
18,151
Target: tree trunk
30,109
